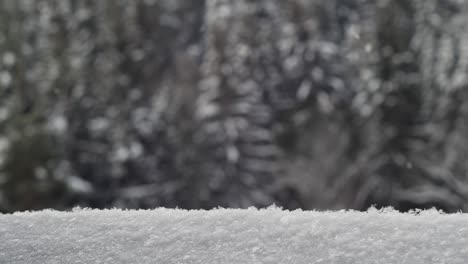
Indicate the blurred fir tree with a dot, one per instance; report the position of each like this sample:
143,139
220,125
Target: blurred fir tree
197,104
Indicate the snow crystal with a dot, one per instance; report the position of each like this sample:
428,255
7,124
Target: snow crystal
233,236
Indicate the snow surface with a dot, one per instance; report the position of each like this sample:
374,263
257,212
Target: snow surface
233,236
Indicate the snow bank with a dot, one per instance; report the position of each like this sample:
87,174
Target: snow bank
232,236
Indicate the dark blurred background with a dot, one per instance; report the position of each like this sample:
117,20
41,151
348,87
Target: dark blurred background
197,104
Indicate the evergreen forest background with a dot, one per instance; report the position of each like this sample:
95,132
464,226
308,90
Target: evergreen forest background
199,104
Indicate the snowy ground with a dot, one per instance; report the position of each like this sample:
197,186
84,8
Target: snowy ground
232,236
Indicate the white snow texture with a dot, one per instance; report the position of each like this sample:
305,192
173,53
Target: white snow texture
233,236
